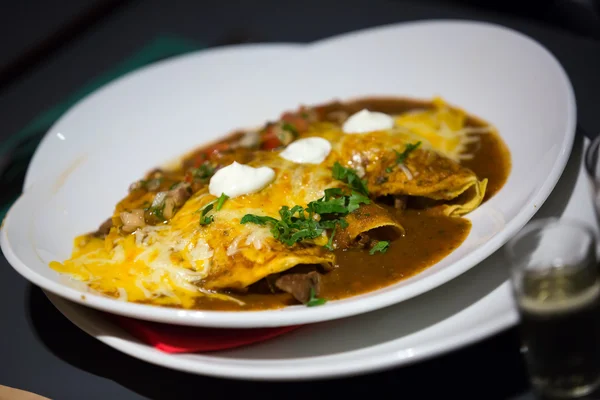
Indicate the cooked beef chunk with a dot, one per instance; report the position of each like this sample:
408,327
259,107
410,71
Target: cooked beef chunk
300,285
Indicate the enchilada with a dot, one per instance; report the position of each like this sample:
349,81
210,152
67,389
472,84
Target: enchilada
324,203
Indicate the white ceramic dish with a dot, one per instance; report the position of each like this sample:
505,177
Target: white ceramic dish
169,108
471,307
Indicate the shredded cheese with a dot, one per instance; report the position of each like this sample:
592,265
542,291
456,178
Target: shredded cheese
442,128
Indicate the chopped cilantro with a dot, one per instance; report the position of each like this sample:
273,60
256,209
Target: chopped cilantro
401,157
349,176
381,247
290,128
207,219
157,211
313,300
294,224
222,199
329,245
389,169
297,223
203,172
258,220
355,200
329,204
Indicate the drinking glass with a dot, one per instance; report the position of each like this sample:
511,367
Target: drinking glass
592,167
556,286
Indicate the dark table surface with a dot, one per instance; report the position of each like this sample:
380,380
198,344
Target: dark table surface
43,352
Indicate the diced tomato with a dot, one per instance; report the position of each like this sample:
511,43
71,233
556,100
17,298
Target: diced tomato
209,152
269,140
199,159
271,143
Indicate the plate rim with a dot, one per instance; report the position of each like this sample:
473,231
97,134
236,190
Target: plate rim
219,319
137,349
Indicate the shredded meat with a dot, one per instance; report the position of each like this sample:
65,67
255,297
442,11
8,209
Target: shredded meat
169,208
400,202
135,186
338,116
363,240
299,285
132,220
153,184
175,198
104,228
180,194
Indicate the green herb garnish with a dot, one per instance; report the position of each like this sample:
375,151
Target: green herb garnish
157,211
355,200
327,213
389,170
333,202
290,128
313,300
401,157
297,224
329,245
221,201
349,176
207,219
381,247
203,172
256,219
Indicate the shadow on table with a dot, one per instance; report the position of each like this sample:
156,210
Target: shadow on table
491,369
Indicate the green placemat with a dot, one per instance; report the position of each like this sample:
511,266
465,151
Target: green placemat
22,144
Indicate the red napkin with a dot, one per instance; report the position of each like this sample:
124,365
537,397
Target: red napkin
185,339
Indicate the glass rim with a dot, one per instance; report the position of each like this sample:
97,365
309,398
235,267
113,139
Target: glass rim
548,222
590,166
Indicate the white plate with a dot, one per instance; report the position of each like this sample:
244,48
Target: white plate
471,307
495,73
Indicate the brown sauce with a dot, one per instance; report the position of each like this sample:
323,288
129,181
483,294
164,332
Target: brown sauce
491,161
429,238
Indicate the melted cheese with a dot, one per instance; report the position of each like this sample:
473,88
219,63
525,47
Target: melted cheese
443,128
155,263
174,263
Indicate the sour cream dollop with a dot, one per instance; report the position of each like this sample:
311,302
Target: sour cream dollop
367,121
238,179
312,150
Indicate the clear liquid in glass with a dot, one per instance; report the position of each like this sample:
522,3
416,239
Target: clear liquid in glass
560,322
